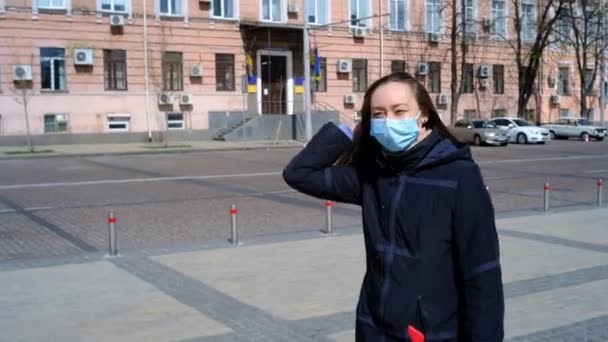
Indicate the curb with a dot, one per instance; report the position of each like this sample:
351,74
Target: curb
151,152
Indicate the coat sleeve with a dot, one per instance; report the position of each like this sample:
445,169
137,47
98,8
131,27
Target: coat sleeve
312,170
477,260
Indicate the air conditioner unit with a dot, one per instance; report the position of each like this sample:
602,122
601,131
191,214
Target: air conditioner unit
196,71
442,99
360,32
293,8
484,71
117,20
345,65
83,57
185,99
484,83
556,99
22,72
434,37
422,69
165,99
349,99
486,24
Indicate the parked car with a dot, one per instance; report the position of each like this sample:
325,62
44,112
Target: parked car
575,128
522,131
479,132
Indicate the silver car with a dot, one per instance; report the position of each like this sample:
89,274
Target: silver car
575,128
479,132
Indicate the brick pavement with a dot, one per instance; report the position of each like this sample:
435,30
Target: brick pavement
294,287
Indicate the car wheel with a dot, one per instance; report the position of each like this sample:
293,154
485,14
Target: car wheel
522,138
599,138
553,136
477,140
585,136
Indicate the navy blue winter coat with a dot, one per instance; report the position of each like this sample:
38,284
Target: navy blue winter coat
430,237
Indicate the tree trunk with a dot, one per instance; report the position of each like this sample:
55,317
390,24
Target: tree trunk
454,86
30,143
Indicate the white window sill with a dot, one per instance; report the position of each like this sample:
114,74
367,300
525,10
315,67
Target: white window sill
52,9
224,18
111,12
282,21
171,16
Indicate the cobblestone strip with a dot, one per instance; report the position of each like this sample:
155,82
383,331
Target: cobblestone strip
55,229
248,322
592,330
554,240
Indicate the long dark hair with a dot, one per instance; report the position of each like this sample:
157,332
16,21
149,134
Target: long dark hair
365,148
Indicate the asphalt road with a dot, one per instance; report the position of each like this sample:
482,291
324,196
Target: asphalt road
58,206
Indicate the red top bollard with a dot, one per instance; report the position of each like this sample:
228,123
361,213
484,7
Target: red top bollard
600,183
233,211
328,204
111,219
547,187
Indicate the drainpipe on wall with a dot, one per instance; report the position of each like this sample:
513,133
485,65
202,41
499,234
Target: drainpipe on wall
308,119
381,40
146,71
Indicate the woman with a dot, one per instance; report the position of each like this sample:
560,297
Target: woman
431,243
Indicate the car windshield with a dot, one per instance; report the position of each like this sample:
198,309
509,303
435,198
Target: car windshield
520,122
483,124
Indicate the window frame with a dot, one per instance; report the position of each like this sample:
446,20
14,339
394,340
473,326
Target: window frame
114,118
360,66
235,7
531,27
499,83
432,89
360,23
50,7
395,63
170,13
170,121
51,61
112,62
283,12
427,14
468,84
561,90
223,86
504,27
177,67
393,6
112,9
470,23
316,15
56,124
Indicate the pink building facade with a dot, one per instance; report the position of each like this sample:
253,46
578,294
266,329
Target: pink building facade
114,66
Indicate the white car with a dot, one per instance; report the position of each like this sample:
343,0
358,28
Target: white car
522,131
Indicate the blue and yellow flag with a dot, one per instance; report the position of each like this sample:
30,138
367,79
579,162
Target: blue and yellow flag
315,62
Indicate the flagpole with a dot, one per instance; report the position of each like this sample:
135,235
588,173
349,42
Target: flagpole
308,119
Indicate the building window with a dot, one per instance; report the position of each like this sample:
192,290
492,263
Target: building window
224,72
469,78
563,24
470,114
173,78
223,9
320,81
118,122
51,4
171,7
359,9
498,71
52,65
499,113
528,22
530,115
55,123
397,66
469,17
359,75
563,83
318,11
433,16
499,18
399,16
115,69
114,6
175,121
272,10
564,113
434,77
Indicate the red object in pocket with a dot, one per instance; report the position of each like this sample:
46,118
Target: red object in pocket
415,334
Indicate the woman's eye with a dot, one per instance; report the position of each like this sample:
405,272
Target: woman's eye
401,111
378,115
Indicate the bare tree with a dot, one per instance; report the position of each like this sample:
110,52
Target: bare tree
459,40
22,91
579,28
533,25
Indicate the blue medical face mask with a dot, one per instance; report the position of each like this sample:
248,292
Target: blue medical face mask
396,135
